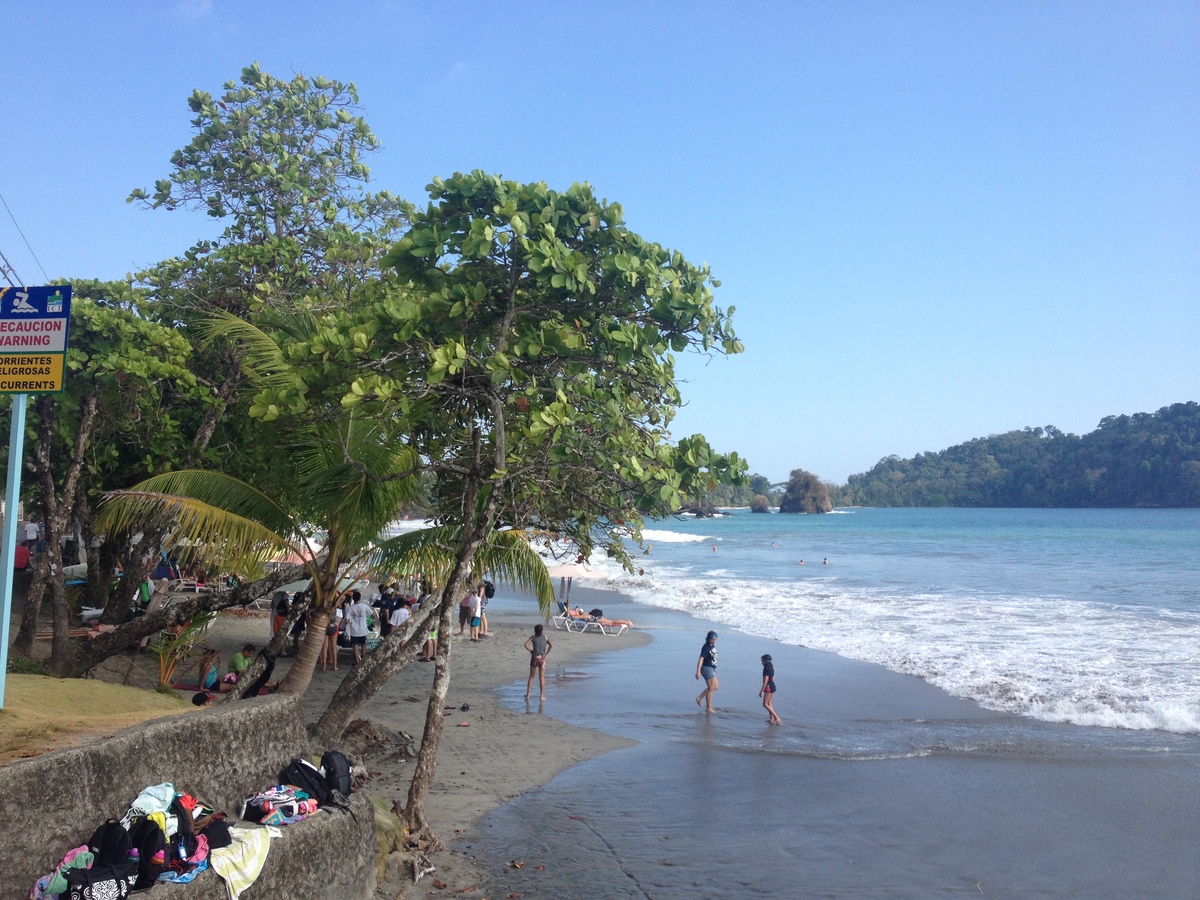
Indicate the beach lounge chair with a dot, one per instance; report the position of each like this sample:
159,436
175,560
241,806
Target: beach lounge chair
583,622
609,630
562,619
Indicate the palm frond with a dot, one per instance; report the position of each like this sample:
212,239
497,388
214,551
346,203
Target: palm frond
225,522
428,551
506,555
263,361
355,478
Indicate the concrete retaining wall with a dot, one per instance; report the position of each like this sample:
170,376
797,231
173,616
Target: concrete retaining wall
54,802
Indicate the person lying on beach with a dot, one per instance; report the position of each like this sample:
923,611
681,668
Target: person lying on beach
578,614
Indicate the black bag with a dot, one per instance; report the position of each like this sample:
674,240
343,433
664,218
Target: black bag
101,882
302,774
151,844
110,844
218,834
112,873
336,770
489,590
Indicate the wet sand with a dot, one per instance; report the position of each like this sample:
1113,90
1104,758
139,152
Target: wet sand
878,785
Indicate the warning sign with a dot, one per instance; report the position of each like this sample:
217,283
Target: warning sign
33,338
31,373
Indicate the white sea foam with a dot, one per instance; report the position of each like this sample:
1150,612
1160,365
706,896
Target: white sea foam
670,537
403,526
1051,659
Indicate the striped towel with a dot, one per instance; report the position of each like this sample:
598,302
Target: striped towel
241,862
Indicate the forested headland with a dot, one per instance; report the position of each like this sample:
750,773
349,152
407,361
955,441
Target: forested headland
1145,459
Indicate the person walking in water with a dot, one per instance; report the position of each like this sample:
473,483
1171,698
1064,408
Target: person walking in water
539,647
706,668
768,689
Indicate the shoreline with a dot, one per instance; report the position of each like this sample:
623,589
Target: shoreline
500,755
883,764
878,784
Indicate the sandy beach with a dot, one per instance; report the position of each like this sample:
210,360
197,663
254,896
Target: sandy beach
496,756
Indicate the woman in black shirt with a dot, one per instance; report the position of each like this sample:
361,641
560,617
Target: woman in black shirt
768,689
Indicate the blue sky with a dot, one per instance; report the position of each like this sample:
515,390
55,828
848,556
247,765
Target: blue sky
937,221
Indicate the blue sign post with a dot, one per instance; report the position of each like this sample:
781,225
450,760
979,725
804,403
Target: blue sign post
34,322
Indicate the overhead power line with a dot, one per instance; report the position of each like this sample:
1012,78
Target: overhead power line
8,272
8,268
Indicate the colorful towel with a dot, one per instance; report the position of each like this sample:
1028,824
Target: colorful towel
241,862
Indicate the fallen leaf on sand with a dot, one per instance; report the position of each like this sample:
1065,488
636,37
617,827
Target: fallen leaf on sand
467,890
515,864
513,896
440,885
539,868
576,818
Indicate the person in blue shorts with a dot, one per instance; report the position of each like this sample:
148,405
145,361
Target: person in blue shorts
706,668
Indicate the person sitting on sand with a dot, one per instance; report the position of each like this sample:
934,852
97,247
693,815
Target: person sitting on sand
210,678
595,615
241,660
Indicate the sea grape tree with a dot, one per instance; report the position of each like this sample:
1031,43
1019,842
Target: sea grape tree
526,351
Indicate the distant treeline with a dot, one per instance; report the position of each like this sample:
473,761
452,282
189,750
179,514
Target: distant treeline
1147,459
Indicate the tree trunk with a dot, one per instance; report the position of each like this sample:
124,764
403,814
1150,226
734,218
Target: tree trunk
33,607
299,676
225,393
363,681
327,597
81,654
136,561
427,756
59,645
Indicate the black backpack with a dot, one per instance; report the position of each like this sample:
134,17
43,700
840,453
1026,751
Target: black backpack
112,873
302,774
489,590
336,770
151,844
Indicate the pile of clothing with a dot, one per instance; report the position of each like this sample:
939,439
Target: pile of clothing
170,835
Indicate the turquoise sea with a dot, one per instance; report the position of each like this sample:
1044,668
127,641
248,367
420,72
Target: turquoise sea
1048,745
1090,617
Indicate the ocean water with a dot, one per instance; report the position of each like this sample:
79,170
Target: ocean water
1048,745
1088,617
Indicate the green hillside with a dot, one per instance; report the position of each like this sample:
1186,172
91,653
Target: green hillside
1147,459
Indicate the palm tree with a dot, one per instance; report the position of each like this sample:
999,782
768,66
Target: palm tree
350,482
506,555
